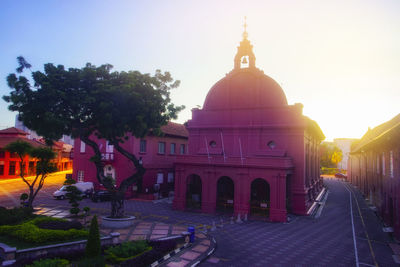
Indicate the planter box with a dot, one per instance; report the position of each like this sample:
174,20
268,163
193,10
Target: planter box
117,223
264,205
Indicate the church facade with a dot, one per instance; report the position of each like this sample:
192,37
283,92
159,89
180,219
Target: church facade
249,151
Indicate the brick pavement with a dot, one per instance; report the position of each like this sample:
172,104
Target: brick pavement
326,241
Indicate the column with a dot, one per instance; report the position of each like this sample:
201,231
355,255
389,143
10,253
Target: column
241,194
278,198
208,192
180,189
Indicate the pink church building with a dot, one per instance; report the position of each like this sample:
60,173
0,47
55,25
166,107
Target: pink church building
249,151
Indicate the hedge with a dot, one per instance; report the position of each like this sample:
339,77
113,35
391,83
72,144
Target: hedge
30,232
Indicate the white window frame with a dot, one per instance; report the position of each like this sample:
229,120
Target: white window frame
161,147
391,174
170,177
144,143
83,147
160,178
109,148
81,176
182,149
173,148
383,164
377,164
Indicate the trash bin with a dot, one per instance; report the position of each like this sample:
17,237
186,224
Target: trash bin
191,231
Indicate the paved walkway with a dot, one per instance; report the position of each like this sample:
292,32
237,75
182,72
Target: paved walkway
193,254
345,234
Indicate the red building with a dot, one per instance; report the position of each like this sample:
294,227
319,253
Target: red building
9,162
158,155
374,167
249,151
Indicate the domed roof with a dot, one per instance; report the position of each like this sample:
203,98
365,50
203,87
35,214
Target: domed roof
245,86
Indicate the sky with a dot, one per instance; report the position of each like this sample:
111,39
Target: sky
340,59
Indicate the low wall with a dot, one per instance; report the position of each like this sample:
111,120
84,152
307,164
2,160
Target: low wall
10,255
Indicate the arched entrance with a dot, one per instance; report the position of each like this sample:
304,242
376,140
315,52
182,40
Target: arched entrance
109,171
260,198
193,192
225,194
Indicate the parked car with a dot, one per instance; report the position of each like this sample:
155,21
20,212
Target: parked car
101,195
340,175
86,189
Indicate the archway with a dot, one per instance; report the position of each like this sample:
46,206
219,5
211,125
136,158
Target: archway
193,192
225,194
260,198
109,171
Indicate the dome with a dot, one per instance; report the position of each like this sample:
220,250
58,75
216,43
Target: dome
243,89
245,86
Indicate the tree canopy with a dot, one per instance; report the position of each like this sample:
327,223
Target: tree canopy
44,165
94,101
330,155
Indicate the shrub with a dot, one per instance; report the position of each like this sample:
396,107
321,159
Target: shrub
144,259
160,248
72,255
93,245
30,232
15,215
92,262
60,225
50,263
126,250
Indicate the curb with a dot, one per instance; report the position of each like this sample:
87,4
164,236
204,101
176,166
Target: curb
174,257
169,255
205,255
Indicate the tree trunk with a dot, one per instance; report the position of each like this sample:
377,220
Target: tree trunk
117,205
118,192
31,197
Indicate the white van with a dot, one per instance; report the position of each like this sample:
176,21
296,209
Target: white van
86,189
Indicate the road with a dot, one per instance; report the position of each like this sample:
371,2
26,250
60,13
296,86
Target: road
11,189
347,232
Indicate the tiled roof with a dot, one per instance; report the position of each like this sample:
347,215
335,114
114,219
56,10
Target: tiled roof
5,140
375,133
175,129
12,130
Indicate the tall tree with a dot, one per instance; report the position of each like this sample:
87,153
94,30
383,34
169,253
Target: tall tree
44,165
93,102
330,155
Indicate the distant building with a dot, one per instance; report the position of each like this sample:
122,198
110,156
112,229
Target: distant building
30,134
345,145
10,162
33,135
249,151
158,154
374,167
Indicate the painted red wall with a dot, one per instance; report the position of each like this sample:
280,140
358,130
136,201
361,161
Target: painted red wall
153,161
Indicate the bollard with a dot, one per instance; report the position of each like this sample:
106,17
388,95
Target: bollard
213,228
192,233
238,219
232,220
222,223
245,217
205,229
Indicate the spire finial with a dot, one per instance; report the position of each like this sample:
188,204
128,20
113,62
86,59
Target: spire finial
245,28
